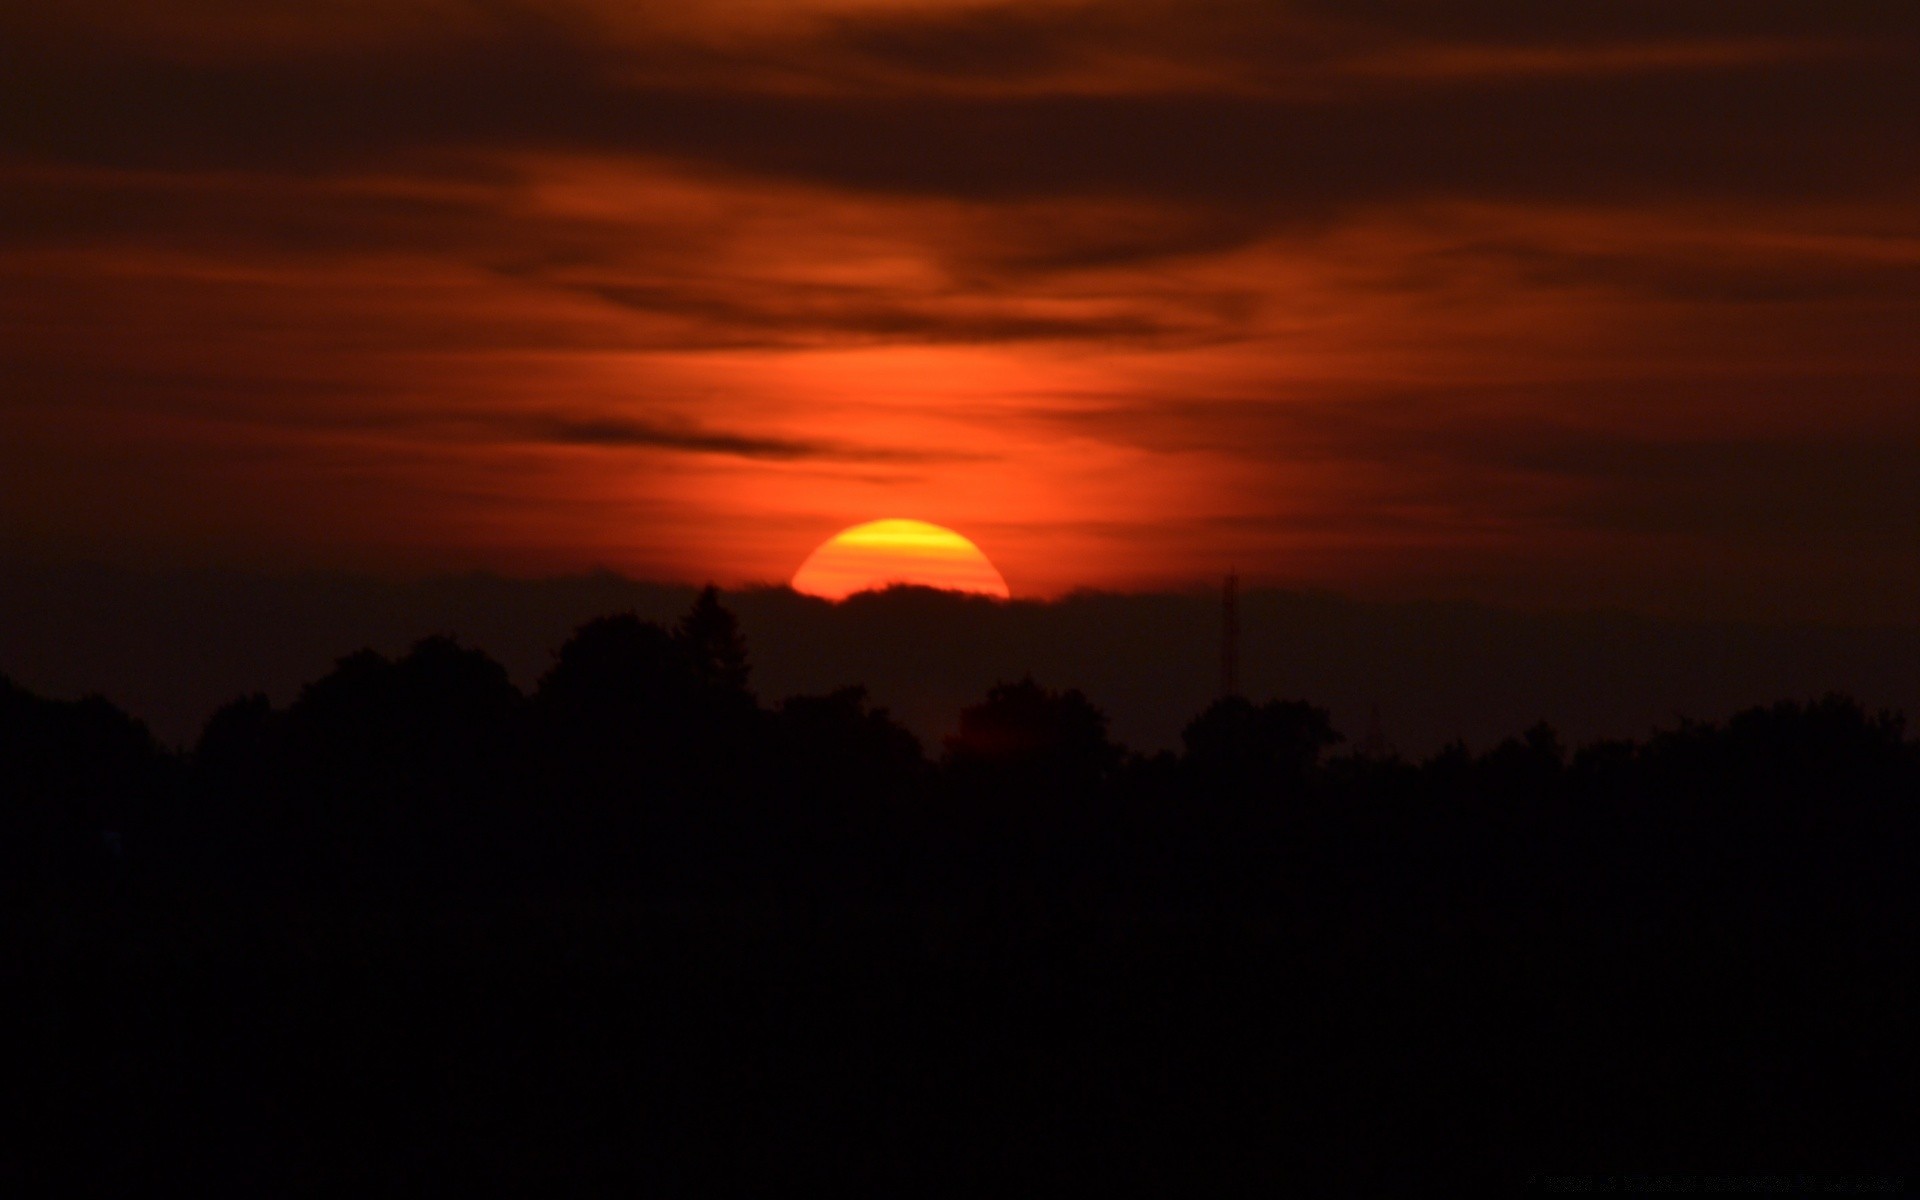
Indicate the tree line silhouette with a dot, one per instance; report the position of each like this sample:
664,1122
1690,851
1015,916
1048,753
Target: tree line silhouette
639,927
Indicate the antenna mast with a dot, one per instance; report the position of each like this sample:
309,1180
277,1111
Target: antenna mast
1230,636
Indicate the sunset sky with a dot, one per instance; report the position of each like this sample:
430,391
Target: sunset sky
1541,304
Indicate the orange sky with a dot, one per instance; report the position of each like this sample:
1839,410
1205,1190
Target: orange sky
1543,307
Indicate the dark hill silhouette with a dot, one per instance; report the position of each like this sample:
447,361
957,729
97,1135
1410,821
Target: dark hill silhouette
639,928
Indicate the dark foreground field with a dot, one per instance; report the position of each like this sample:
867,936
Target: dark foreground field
420,930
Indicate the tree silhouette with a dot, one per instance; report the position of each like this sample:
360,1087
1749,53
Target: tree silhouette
840,744
1528,766
711,634
1039,737
1241,748
75,778
621,669
651,746
387,769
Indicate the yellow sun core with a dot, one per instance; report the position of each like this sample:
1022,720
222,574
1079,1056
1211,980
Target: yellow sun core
883,553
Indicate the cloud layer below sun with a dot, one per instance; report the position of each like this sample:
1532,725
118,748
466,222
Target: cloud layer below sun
1516,303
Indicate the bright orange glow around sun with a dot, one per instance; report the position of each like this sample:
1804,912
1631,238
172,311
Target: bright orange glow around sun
881,553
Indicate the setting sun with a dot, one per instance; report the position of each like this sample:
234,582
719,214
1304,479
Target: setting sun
879,554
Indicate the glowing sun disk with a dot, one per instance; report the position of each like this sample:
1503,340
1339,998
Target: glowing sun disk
881,553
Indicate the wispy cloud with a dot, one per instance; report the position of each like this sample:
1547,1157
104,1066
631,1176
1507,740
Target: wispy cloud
618,433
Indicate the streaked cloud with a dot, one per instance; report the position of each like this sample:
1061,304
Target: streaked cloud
616,433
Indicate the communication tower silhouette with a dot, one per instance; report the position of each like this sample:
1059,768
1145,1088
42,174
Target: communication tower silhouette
1230,637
